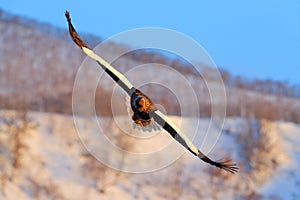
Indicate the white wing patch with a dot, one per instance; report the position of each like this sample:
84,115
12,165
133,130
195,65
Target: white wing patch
153,126
94,56
181,134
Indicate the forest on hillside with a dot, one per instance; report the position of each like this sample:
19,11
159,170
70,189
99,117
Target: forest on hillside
42,77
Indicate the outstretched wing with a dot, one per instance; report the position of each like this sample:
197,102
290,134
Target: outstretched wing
119,78
158,116
171,128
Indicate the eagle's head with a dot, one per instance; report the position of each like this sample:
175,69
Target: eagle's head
140,102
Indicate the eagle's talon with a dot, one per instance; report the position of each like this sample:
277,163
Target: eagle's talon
137,120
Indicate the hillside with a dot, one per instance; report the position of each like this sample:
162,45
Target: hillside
53,163
38,64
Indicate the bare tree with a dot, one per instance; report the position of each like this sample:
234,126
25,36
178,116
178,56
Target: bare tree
14,130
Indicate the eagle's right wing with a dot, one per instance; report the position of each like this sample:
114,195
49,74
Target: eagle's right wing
180,137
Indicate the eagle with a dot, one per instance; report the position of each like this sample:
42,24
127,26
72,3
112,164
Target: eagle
144,110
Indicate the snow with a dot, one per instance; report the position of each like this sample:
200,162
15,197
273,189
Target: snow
286,183
57,165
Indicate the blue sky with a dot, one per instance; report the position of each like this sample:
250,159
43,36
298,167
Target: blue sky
255,39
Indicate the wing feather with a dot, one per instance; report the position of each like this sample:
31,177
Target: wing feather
171,128
119,78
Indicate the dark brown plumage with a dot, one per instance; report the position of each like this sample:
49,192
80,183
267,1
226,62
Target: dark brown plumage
143,108
73,32
227,165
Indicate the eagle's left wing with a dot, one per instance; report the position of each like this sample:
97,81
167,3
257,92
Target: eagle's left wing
119,78
171,128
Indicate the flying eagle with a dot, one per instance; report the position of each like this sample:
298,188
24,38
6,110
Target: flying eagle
143,108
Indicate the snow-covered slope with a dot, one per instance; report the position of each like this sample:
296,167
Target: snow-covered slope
56,165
